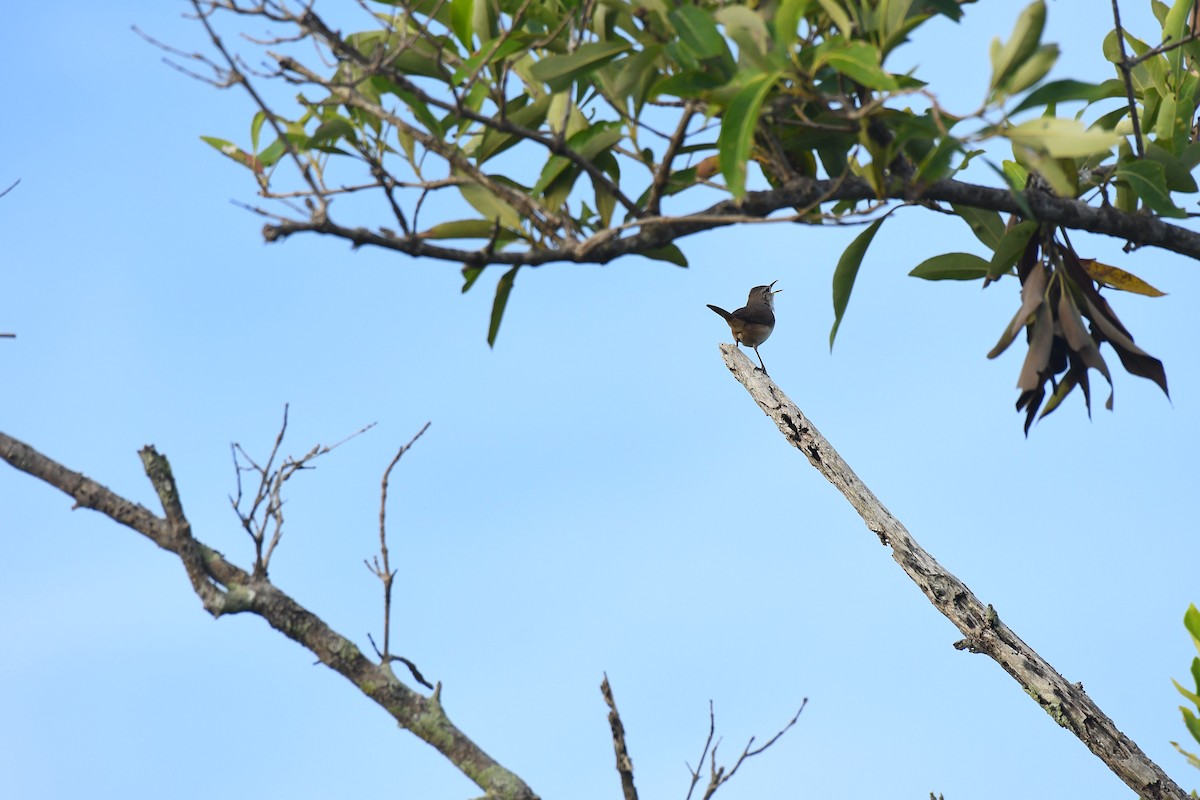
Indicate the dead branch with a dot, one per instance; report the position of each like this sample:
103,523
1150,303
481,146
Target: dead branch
381,566
1066,703
718,776
624,762
225,589
266,509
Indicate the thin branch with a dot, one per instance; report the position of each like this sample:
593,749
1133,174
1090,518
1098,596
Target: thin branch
663,174
266,509
1066,703
657,232
1126,68
12,186
718,776
383,570
624,762
416,673
236,591
1165,47
236,76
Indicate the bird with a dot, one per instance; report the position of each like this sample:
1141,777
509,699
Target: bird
752,323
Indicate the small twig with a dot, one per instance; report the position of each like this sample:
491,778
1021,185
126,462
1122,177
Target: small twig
266,509
1165,47
11,187
384,571
416,673
719,776
712,731
1126,67
664,170
624,762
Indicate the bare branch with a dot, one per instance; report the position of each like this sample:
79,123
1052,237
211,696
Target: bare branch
718,775
1126,67
235,590
624,762
266,509
1066,703
384,571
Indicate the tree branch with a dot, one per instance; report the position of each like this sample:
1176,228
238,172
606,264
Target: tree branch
624,762
232,589
1066,703
652,233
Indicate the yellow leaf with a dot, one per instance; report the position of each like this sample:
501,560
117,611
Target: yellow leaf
1118,278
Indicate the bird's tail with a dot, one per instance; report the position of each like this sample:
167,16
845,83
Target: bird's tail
725,314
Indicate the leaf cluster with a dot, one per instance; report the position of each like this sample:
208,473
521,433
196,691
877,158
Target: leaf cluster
583,130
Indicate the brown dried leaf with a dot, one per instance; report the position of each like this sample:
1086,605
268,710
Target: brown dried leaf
1032,292
1136,360
1083,346
1035,370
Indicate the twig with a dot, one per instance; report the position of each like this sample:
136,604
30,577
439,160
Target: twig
719,776
663,174
383,570
11,187
266,509
624,762
1066,703
416,673
1126,68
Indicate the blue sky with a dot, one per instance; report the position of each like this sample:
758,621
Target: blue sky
595,493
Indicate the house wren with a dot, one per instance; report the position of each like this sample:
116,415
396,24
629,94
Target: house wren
752,323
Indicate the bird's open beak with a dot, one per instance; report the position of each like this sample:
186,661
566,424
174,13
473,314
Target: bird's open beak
777,291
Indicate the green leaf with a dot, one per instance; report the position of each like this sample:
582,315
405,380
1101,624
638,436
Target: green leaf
669,253
847,271
1191,621
737,130
588,143
1061,138
839,16
953,267
462,19
987,226
1031,71
272,153
490,206
255,128
787,23
698,32
1177,170
470,275
1174,29
1016,175
747,28
461,229
860,62
1067,90
1148,181
1026,34
587,57
503,289
236,153
330,131
1015,240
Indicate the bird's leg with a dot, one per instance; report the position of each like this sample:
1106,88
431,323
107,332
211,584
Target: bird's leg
760,362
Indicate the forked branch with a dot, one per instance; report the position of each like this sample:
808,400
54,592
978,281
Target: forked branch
225,588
